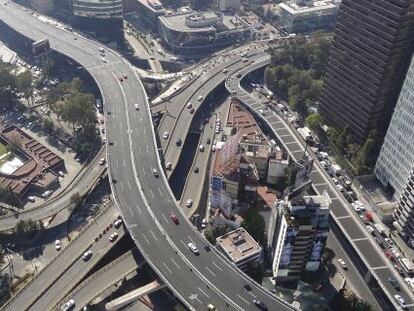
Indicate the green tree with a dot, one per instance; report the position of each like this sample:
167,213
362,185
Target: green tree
28,226
24,82
345,301
314,121
254,223
362,156
215,231
47,125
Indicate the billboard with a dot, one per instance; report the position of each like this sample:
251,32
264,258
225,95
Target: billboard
40,47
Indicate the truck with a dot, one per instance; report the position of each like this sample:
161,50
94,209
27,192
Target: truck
305,133
380,228
336,169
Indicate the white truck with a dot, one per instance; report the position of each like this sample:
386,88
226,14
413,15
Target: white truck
336,169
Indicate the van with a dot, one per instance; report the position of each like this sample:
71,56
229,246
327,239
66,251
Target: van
210,307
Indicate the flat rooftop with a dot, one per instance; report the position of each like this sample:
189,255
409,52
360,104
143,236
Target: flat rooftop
153,5
238,245
320,5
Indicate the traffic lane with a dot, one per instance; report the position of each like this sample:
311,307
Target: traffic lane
76,271
352,228
371,253
338,208
385,274
352,275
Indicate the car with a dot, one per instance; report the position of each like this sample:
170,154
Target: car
113,237
389,242
395,253
102,161
103,59
155,172
211,307
87,255
68,305
178,142
136,107
379,242
261,111
121,79
201,148
225,70
213,147
47,194
31,198
238,75
400,301
168,165
174,218
58,245
192,110
193,248
394,283
117,223
166,134
261,305
196,170
125,76
208,141
399,269
101,50
342,263
370,229
189,105
189,203
356,207
61,174
200,98
203,223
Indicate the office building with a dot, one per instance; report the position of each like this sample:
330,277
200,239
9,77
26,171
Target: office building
370,53
404,212
102,18
297,235
194,32
149,11
224,5
396,158
304,16
239,247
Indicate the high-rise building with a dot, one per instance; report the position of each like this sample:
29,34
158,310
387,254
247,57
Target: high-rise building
396,158
104,18
297,235
404,212
372,44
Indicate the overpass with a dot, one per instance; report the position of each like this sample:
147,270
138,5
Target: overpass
342,217
145,200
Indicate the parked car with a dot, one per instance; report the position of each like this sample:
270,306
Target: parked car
155,173
47,194
68,305
117,223
178,142
31,199
166,134
113,237
102,161
58,245
87,255
189,203
342,263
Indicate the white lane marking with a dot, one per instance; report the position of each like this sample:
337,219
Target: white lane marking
165,265
165,218
360,239
147,148
144,129
243,299
190,239
143,171
139,149
122,186
183,243
159,190
145,237
217,266
152,193
129,185
124,163
250,294
381,267
176,264
210,271
343,217
153,234
203,292
117,163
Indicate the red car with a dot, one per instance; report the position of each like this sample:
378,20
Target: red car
174,218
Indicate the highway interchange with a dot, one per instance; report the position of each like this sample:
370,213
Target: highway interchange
146,206
146,201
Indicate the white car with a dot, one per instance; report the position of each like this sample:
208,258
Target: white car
113,237
356,207
47,194
102,161
58,245
370,229
189,105
87,255
103,59
201,148
166,134
189,203
400,300
200,98
193,248
342,263
136,107
31,199
68,305
389,242
168,165
61,174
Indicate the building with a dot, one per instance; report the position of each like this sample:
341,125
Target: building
239,247
224,5
369,57
103,18
304,16
396,158
404,212
42,6
193,32
149,11
297,235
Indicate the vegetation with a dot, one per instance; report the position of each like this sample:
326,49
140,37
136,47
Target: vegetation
7,196
215,231
28,226
297,70
5,288
254,223
24,84
345,300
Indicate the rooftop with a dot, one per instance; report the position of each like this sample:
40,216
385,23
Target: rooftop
153,5
238,244
319,5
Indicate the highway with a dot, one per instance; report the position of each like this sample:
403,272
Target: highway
341,212
48,282
104,278
146,201
81,184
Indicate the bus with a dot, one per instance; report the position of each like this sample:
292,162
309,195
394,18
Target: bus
407,265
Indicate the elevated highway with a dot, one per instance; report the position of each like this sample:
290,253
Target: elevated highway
377,265
146,201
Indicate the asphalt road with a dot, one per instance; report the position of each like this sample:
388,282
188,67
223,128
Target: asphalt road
341,211
146,201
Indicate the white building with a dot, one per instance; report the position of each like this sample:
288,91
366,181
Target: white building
396,159
239,247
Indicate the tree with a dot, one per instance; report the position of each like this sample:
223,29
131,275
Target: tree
254,224
28,226
314,121
218,229
24,84
76,198
327,256
47,125
345,301
362,156
78,109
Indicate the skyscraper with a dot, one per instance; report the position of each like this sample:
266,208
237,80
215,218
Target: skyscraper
396,158
369,56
